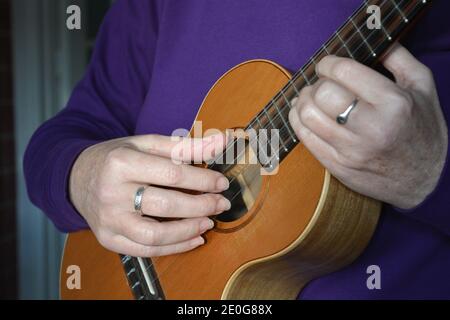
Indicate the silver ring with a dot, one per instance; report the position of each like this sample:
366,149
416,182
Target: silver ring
343,117
138,200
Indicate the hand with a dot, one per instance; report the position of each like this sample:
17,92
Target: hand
394,145
106,176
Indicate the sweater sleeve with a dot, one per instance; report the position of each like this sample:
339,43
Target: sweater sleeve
103,106
430,43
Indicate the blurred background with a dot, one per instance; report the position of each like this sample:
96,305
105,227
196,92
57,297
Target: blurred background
40,62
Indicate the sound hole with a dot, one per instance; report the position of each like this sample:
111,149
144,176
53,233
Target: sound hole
245,182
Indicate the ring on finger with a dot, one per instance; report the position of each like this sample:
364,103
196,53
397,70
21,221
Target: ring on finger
343,117
138,197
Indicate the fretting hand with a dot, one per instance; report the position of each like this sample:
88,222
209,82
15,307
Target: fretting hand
394,145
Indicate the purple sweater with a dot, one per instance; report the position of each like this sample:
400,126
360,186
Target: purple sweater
154,61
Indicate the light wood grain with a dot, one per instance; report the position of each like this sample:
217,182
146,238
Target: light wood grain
303,224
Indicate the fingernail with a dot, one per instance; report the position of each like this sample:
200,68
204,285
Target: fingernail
207,225
223,205
198,241
222,183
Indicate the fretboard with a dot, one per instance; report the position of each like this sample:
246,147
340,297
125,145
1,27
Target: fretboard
354,39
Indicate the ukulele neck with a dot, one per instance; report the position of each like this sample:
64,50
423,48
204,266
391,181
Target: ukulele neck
354,39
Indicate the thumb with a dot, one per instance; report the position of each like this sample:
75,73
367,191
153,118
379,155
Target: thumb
182,149
407,70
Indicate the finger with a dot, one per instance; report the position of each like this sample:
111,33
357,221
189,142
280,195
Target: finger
311,117
407,70
322,151
183,148
333,99
158,202
150,232
356,77
123,245
151,169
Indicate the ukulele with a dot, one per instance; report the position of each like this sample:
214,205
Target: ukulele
283,230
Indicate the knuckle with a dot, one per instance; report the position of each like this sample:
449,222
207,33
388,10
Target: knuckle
208,203
426,72
385,138
342,69
303,133
293,114
197,228
116,159
103,238
343,161
106,194
158,204
293,118
304,93
387,141
173,174
354,160
145,251
404,101
192,227
149,236
324,92
102,219
307,114
402,110
208,181
155,143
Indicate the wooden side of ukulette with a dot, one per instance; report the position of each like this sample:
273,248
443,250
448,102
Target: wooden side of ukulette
303,224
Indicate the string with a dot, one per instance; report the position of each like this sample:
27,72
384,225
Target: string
301,71
315,76
324,46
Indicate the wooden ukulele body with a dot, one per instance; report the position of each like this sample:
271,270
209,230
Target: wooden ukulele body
303,223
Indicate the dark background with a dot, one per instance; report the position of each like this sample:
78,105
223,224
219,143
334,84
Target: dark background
13,269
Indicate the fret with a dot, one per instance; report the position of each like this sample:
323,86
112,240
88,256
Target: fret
268,118
312,62
135,285
292,84
344,44
351,40
363,38
125,259
304,77
259,149
142,278
326,49
274,127
293,136
386,33
314,77
400,11
258,121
